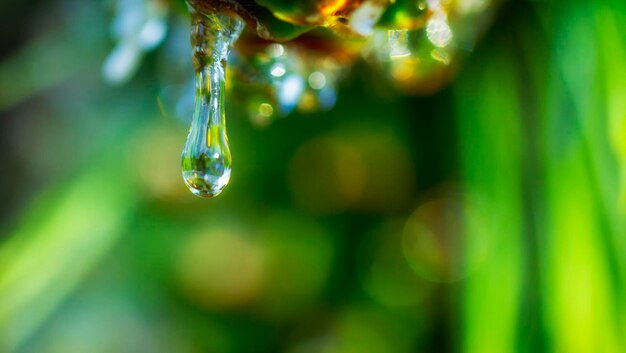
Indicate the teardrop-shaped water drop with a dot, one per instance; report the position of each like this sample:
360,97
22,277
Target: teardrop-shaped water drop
206,159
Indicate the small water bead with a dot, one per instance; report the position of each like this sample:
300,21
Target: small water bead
206,159
438,31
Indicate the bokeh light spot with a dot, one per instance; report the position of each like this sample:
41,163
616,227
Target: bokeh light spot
434,237
317,80
220,269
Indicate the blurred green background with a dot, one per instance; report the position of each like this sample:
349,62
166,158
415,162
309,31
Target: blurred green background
488,217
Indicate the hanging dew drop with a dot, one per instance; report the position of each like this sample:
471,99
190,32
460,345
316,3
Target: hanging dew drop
206,159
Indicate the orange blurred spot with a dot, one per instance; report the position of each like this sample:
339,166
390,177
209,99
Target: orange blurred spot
332,7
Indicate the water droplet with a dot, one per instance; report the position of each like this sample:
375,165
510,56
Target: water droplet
438,31
206,159
398,43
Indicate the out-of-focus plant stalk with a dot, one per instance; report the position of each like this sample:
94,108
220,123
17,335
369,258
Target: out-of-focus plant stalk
490,146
